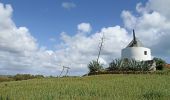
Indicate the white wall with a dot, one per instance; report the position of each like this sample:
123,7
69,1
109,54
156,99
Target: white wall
136,53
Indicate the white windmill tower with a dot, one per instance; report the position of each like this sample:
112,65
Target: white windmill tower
136,50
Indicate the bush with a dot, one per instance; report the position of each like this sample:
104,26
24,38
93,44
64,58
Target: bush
5,79
94,66
22,77
160,63
128,65
39,76
19,77
26,77
116,64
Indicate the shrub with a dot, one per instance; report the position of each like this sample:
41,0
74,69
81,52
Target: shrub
39,76
19,77
114,65
5,79
94,66
128,65
26,77
159,63
22,77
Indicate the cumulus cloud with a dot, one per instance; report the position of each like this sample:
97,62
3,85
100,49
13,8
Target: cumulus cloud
68,5
78,50
159,6
84,27
152,25
129,19
20,52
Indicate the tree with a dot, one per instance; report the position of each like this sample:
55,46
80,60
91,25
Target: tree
100,48
159,63
94,66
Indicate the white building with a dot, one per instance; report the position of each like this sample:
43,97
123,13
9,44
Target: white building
136,50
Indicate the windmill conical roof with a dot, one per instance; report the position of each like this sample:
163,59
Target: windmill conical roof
135,42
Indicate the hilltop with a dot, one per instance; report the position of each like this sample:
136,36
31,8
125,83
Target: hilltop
97,87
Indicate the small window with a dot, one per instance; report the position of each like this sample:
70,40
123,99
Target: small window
145,52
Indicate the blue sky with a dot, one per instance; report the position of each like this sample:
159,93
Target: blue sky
46,19
41,36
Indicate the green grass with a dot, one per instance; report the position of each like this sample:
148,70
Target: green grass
99,87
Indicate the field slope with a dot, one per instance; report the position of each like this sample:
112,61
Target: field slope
100,87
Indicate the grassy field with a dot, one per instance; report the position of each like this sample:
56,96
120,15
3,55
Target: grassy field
99,87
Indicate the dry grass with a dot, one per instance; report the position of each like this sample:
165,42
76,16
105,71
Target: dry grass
167,66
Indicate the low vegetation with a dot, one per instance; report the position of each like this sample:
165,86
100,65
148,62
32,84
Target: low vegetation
124,66
19,77
94,66
5,79
97,87
125,83
160,63
128,65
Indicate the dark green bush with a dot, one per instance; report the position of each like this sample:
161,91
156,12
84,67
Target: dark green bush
26,77
128,65
94,66
19,77
39,76
160,63
22,77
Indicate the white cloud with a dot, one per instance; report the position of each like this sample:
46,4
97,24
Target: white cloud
129,19
20,53
79,50
152,25
52,39
84,27
68,5
159,6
